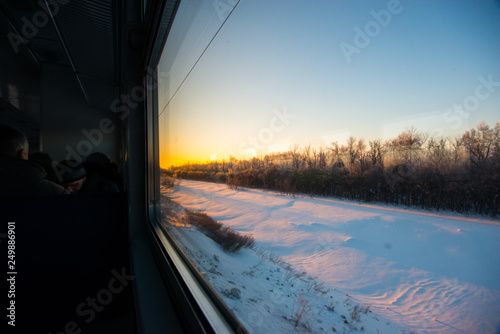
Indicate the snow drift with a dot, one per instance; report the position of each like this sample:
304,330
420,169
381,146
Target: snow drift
426,272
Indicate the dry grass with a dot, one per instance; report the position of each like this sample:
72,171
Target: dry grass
301,312
169,182
226,237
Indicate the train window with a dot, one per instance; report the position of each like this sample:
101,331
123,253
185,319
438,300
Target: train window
333,166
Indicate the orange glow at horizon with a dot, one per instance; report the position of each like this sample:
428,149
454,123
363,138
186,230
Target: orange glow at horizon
166,160
193,145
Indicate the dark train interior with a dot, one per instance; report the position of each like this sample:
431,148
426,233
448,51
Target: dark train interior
78,77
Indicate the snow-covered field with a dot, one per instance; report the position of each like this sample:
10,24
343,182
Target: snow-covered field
421,272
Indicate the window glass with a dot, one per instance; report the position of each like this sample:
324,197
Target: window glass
352,148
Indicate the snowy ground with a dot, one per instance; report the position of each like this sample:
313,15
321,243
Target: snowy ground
420,272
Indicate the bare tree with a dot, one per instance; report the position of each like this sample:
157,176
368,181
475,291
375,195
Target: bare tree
361,148
352,149
306,156
481,143
456,144
375,152
295,156
336,151
320,158
437,151
410,142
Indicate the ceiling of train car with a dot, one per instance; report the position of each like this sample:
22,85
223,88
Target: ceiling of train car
78,34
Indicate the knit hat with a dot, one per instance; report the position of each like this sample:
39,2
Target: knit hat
71,171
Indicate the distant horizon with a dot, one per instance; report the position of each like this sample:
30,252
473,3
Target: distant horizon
325,147
282,73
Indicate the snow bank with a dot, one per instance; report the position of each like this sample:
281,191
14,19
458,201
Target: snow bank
426,272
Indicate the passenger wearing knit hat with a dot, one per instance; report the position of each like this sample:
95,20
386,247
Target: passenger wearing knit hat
73,175
76,180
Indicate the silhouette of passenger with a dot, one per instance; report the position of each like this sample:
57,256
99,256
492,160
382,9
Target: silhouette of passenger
99,163
76,180
18,176
44,160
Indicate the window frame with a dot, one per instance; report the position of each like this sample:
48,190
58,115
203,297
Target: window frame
197,299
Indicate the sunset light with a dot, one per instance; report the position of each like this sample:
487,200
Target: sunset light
355,143
256,90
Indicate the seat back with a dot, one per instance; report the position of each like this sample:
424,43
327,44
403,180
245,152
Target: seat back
68,249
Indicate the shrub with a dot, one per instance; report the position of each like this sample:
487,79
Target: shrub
226,237
461,175
168,182
301,311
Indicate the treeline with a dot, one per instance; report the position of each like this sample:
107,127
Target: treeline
459,174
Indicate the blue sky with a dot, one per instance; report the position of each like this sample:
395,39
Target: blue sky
431,64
